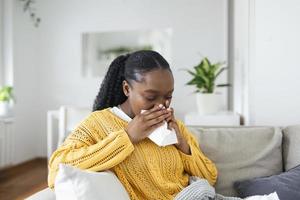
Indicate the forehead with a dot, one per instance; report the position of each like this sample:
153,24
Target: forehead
160,80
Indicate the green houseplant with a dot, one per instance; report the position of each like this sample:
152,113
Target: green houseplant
6,97
204,78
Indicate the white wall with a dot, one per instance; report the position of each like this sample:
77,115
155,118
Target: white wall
28,128
266,61
276,84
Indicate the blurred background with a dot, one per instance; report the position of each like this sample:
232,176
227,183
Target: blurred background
54,54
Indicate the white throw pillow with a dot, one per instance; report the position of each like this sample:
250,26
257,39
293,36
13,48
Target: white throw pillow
76,184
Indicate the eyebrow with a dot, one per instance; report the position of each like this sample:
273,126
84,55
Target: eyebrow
155,91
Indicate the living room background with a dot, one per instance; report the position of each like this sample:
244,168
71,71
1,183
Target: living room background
44,63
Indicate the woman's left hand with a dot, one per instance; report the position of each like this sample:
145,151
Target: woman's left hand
182,144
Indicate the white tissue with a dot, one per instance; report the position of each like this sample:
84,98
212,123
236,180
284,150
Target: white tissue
162,136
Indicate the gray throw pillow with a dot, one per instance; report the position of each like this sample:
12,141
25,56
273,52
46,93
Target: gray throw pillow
287,185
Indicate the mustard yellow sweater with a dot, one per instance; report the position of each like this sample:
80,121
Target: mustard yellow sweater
146,170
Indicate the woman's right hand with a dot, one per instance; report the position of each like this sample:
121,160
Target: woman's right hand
144,123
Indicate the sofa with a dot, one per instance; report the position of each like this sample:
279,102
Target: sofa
240,153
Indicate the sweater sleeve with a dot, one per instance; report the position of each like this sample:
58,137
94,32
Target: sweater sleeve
88,147
197,164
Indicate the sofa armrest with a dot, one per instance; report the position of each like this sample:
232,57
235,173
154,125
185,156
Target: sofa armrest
291,147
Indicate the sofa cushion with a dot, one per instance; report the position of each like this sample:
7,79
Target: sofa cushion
291,147
45,194
286,185
74,183
241,153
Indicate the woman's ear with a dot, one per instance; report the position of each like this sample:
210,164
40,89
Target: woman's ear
126,88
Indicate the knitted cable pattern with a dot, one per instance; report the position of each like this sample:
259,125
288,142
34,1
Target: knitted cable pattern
146,170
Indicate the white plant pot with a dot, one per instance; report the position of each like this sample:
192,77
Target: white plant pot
209,103
5,109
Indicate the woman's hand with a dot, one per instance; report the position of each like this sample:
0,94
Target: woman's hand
182,144
143,124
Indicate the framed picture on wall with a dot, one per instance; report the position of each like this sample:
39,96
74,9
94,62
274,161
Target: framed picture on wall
99,49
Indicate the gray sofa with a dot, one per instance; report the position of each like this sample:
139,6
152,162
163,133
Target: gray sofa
240,153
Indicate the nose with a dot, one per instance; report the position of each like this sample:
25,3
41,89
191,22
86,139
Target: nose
163,102
162,105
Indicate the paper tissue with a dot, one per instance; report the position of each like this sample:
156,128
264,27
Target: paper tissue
162,136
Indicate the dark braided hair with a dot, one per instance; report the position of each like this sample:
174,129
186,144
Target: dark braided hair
126,67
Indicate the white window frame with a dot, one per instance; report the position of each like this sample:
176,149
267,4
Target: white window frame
1,43
241,52
6,42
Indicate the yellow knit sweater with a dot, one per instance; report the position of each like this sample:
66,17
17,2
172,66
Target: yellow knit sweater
146,170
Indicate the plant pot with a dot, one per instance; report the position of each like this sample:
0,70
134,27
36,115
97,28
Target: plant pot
5,109
209,103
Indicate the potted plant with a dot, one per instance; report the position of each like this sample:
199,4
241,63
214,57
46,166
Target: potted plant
204,78
6,98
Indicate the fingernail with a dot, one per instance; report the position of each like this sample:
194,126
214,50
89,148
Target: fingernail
161,106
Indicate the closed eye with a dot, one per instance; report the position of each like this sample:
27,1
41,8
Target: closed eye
153,98
150,98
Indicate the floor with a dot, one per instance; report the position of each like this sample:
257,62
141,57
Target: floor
23,180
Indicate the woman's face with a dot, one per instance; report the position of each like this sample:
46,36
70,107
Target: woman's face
155,88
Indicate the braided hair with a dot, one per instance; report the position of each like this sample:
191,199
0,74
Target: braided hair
126,67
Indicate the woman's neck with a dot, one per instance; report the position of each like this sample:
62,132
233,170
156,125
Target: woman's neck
125,107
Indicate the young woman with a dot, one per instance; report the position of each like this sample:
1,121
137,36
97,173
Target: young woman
115,135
